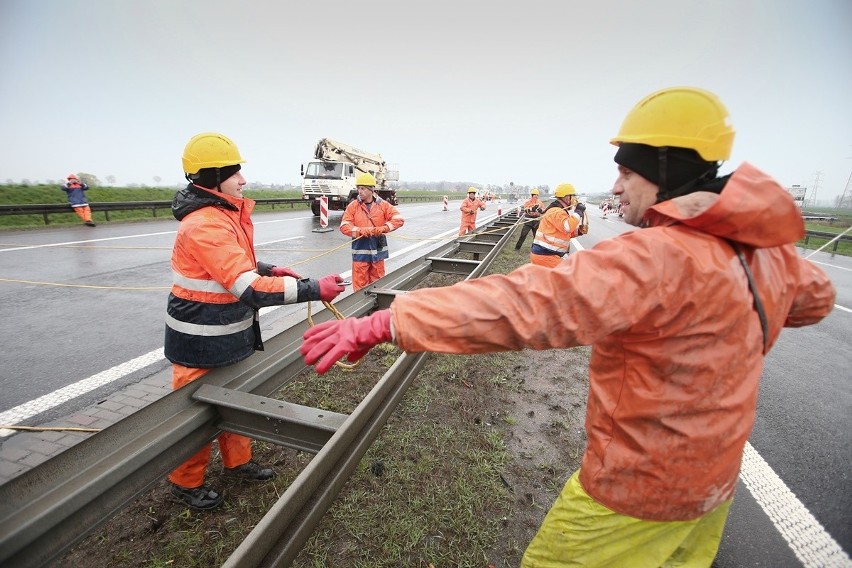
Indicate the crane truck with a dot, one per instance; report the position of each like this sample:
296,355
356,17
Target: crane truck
332,174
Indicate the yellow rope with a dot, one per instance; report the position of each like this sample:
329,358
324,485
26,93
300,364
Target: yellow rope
324,252
339,316
37,283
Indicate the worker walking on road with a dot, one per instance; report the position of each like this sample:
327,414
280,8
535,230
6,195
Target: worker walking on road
77,198
367,220
218,288
680,314
560,223
533,208
469,208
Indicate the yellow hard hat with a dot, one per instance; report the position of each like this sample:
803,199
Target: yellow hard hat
210,150
683,117
472,190
564,190
534,191
365,179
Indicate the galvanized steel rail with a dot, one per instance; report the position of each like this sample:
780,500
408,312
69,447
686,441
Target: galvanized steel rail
45,209
44,511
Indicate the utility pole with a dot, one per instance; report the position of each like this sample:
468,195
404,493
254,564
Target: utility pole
817,177
846,199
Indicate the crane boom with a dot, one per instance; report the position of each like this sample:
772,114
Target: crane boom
333,171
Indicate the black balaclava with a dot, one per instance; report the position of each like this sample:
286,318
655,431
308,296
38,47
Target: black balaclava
677,171
212,177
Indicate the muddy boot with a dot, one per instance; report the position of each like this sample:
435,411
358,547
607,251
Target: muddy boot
202,498
251,471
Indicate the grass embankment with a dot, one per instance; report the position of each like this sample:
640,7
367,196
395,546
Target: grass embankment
50,194
840,225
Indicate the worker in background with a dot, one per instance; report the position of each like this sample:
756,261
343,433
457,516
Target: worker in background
560,223
469,208
218,288
77,198
680,314
367,220
533,209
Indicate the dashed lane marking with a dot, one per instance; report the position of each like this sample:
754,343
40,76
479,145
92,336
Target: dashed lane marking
810,542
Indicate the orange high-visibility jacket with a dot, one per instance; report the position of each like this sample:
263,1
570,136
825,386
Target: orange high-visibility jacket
380,214
555,231
677,343
469,207
211,318
533,207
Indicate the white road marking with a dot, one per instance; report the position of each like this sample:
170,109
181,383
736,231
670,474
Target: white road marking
30,247
66,393
810,542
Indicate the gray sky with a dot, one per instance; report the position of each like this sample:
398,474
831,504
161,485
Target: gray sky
480,91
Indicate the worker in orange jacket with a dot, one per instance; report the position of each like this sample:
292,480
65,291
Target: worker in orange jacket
533,209
219,287
367,220
680,314
76,191
560,223
469,208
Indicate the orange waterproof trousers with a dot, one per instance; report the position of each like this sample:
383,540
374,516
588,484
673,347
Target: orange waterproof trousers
365,273
236,450
468,225
84,213
548,260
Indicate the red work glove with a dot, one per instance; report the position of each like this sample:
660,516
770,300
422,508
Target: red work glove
281,271
330,286
367,231
332,340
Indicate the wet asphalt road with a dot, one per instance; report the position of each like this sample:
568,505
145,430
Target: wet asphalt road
77,301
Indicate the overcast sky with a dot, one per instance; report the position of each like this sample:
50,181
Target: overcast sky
487,92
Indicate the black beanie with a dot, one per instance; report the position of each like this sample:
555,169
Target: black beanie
685,168
206,177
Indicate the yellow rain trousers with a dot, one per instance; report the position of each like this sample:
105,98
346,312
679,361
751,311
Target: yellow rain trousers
578,531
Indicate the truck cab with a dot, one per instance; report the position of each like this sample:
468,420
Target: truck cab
335,180
333,171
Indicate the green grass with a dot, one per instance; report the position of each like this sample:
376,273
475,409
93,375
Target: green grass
840,225
52,194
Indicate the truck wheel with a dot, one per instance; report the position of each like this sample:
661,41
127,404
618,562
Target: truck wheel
315,207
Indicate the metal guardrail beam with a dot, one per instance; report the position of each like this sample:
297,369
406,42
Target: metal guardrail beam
45,209
828,236
282,532
46,510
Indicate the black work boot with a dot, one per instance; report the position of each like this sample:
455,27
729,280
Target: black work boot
251,471
202,498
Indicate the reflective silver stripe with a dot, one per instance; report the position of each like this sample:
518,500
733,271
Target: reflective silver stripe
208,330
548,241
291,290
244,282
197,284
364,251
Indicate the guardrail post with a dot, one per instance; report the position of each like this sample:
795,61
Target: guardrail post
106,214
46,221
